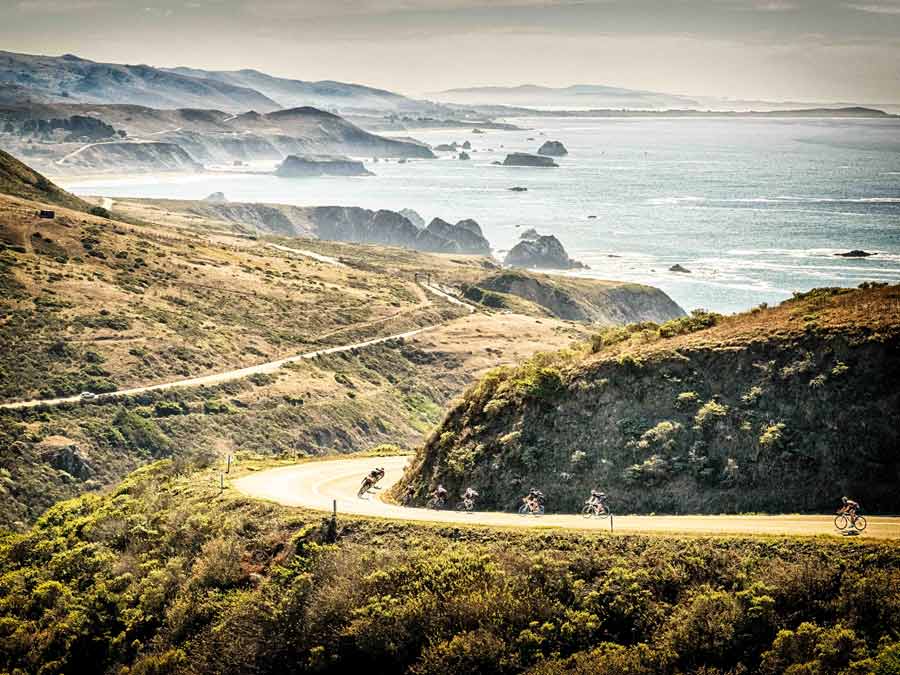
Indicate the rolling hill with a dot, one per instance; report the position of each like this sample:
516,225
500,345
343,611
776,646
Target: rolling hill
19,180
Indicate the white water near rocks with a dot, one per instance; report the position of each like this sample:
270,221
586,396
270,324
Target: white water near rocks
755,208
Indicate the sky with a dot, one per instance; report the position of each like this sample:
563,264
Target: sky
797,50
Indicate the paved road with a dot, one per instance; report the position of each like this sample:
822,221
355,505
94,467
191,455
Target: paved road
315,484
218,378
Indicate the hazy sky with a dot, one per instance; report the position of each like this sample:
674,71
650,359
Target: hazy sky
828,50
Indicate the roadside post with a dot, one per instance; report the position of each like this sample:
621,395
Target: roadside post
611,526
331,530
228,465
221,482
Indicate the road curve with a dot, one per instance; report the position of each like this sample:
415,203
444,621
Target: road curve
316,484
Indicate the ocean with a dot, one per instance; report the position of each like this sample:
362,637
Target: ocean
754,208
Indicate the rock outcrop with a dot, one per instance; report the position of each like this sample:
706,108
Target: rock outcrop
355,224
464,237
679,269
525,159
553,149
855,253
543,252
216,198
65,455
309,166
530,234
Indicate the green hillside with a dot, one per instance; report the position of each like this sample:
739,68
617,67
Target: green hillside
780,409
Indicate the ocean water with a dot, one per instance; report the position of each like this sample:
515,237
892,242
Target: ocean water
756,209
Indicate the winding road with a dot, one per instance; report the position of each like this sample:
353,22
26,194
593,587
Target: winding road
268,367
315,484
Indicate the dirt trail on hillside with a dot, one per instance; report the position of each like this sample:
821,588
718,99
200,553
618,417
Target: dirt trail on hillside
316,484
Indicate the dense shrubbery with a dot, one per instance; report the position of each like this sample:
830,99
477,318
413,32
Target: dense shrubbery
164,575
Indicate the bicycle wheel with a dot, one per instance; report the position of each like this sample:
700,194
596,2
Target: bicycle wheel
840,521
860,523
524,510
540,510
587,511
603,513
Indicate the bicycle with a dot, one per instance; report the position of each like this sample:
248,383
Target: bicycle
844,522
531,508
595,510
365,487
436,503
467,505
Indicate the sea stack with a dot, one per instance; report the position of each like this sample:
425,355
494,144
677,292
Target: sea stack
544,252
525,159
553,149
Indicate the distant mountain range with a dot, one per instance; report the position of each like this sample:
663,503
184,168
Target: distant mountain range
71,79
590,96
576,96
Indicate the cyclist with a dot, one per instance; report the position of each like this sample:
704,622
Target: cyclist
849,508
408,494
469,496
534,499
598,499
439,496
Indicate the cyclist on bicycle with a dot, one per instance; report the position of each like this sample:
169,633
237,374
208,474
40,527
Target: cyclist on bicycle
469,495
598,499
440,493
849,508
534,499
408,494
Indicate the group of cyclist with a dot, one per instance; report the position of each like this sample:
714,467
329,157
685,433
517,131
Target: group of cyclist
596,504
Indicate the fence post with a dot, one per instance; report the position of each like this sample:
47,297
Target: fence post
228,465
221,482
611,525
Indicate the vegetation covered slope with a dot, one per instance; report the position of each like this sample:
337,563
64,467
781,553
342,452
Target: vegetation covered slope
19,180
781,410
571,299
165,574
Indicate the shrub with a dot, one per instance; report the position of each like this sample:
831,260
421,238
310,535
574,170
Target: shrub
477,651
99,211
752,395
699,319
661,436
772,435
710,412
142,434
219,563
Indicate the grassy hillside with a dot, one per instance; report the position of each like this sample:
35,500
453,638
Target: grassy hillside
93,304
165,574
570,299
19,180
781,409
